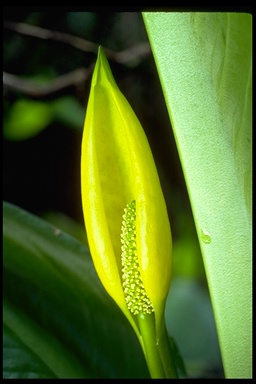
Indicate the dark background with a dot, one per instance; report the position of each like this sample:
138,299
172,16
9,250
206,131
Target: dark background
42,172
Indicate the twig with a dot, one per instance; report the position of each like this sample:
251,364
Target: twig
136,52
48,91
71,79
47,34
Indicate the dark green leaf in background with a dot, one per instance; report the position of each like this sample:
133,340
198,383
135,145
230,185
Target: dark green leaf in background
58,320
69,112
20,361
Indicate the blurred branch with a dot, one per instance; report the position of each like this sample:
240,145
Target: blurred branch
136,52
46,34
53,89
71,79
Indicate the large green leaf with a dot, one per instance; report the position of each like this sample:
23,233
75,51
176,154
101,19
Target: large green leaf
204,63
58,320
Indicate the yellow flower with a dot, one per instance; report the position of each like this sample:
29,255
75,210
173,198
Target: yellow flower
124,208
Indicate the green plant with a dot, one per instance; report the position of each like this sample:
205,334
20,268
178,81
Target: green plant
58,320
126,216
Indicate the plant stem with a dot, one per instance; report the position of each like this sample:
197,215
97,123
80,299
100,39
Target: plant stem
166,354
148,334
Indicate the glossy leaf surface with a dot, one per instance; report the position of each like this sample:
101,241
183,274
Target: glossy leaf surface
58,320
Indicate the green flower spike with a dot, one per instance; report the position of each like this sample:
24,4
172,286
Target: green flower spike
136,297
125,214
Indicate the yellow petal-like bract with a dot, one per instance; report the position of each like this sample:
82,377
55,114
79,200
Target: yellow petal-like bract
117,168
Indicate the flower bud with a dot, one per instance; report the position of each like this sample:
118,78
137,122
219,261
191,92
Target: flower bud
123,204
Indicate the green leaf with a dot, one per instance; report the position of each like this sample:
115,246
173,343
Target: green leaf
26,119
67,224
20,361
204,63
58,320
67,110
179,363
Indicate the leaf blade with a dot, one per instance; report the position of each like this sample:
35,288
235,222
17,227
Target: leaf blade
203,123
53,300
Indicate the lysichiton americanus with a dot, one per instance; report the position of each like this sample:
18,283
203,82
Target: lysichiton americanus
123,204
